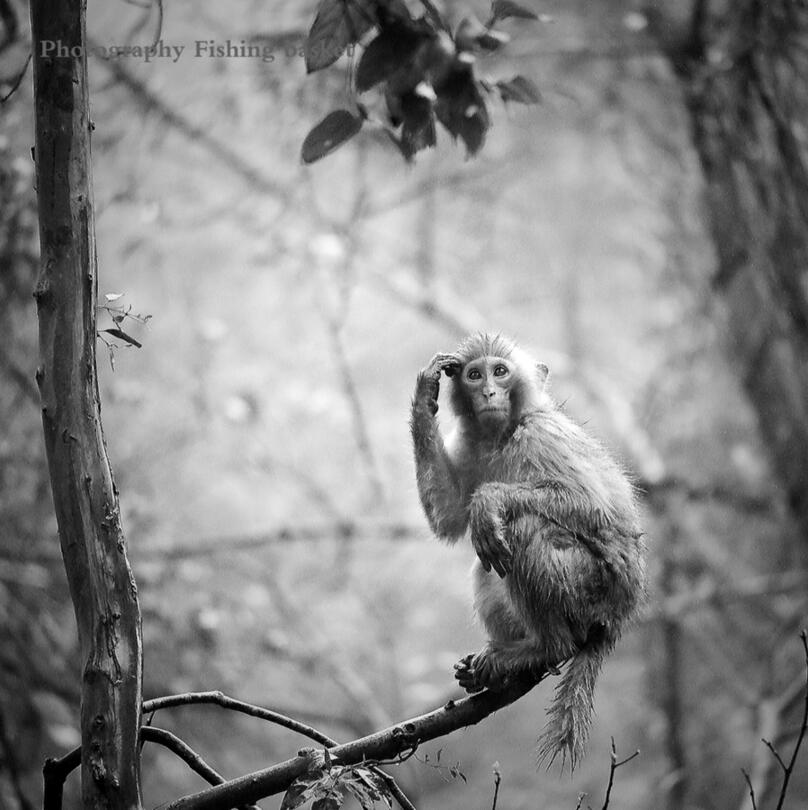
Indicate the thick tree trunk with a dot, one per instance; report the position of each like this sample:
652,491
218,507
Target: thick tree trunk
101,583
744,70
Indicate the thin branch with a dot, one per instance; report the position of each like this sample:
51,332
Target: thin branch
380,745
497,780
395,791
751,789
18,80
612,768
187,754
775,754
220,699
789,769
158,32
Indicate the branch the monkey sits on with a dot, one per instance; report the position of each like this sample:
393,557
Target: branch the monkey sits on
553,520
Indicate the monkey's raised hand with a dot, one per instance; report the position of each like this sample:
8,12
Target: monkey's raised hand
428,385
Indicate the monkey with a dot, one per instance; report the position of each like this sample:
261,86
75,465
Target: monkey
553,520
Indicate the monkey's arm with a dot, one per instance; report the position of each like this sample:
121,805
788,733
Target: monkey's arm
494,504
439,484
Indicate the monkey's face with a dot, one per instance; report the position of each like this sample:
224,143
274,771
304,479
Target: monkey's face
487,383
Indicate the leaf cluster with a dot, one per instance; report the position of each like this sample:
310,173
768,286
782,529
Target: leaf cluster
326,784
424,72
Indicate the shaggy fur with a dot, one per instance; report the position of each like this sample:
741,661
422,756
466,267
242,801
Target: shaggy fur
548,509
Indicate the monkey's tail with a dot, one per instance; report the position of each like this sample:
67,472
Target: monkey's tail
570,714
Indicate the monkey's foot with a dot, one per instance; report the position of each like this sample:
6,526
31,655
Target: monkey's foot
464,675
479,671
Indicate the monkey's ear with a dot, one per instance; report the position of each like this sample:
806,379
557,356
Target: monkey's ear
543,373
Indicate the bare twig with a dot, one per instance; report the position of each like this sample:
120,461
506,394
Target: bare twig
789,768
612,768
17,81
497,780
751,789
158,31
395,791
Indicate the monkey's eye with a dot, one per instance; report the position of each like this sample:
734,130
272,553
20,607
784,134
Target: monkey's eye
474,374
500,370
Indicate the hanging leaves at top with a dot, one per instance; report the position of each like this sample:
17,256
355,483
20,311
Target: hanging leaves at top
425,74
334,130
338,24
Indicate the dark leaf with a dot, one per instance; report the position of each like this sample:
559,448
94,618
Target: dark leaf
121,335
296,795
386,54
519,89
338,23
302,789
334,130
502,9
333,801
492,40
418,130
393,11
461,109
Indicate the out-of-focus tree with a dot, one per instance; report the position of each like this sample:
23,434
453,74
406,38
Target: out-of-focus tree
744,71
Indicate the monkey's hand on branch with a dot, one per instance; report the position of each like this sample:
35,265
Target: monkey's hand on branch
488,533
428,385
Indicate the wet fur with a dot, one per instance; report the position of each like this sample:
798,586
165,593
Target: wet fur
566,513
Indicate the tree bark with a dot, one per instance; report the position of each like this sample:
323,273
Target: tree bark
744,71
85,499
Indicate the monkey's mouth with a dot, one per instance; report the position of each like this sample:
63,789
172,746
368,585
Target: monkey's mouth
492,410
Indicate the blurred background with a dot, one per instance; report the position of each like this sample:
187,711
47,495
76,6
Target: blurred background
260,437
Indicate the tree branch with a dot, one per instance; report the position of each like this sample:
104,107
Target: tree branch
382,745
220,699
186,754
